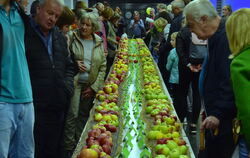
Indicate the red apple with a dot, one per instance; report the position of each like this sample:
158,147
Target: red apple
106,149
110,128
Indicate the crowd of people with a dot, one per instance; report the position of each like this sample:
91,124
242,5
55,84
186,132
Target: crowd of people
54,60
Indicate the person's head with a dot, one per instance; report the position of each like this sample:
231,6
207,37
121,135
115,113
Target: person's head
136,16
107,13
33,7
106,4
89,24
118,10
152,12
79,13
173,39
66,19
47,14
237,28
23,4
115,18
177,6
226,10
202,18
100,7
80,5
160,24
161,7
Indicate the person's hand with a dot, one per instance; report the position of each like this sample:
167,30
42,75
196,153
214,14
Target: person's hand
81,66
211,122
88,93
195,68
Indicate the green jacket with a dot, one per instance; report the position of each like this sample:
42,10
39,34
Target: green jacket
98,68
240,74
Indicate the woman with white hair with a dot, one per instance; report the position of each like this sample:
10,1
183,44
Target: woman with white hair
88,51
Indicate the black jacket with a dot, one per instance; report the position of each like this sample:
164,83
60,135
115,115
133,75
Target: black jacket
183,41
52,82
218,93
165,46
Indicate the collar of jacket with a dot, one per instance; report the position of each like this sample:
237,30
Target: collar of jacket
243,50
98,40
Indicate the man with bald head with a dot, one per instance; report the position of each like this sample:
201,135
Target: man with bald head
51,73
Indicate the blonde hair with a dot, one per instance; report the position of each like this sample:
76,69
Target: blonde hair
237,27
160,23
174,35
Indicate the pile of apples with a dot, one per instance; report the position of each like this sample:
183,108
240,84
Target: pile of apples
99,142
165,129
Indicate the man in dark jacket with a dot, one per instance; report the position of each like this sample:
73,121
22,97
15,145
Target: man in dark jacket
215,85
165,46
51,72
16,107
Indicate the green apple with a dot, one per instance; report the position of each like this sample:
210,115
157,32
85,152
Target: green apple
160,156
159,135
158,122
107,118
156,127
99,108
172,145
101,97
149,109
183,156
158,147
115,108
153,134
155,112
165,151
174,153
98,117
183,149
107,89
175,134
114,117
169,120
165,129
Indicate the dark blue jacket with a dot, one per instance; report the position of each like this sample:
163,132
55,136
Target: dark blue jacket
218,93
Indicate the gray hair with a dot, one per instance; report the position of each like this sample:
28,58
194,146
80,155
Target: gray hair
93,19
199,8
178,4
161,6
43,2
